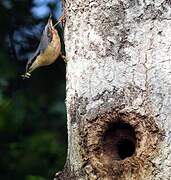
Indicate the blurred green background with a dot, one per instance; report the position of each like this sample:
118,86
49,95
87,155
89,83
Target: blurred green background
33,133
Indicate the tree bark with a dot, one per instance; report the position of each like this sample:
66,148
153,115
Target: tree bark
118,89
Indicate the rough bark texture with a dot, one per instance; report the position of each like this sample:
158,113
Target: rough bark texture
118,89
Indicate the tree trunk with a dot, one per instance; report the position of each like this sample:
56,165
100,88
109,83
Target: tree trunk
118,90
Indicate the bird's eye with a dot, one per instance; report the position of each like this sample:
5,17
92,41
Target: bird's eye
49,33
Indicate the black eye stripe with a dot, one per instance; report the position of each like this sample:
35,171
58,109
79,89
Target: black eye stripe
48,33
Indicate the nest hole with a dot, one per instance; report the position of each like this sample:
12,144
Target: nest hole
119,141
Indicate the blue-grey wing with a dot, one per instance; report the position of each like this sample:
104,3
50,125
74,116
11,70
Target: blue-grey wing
45,39
44,42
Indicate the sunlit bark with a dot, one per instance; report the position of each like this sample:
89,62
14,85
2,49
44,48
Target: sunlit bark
118,89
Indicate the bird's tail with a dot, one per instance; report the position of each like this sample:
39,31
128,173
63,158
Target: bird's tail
26,75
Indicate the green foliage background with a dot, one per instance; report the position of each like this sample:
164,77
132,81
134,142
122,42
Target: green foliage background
33,133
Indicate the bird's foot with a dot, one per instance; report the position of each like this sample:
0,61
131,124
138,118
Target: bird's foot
64,58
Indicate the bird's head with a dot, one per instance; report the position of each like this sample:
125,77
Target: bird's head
50,28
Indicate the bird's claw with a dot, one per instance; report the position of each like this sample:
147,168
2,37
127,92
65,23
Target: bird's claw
64,58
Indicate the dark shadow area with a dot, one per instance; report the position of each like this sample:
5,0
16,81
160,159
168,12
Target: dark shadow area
126,148
33,134
119,141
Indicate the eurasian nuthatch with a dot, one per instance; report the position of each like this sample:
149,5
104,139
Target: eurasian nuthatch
48,51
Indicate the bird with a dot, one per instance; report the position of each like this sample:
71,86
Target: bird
49,49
